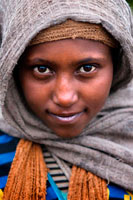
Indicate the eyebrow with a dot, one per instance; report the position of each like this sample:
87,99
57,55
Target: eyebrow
90,59
77,62
40,61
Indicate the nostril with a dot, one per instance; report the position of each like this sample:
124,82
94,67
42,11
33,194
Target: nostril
85,110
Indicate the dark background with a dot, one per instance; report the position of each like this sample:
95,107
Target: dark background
130,3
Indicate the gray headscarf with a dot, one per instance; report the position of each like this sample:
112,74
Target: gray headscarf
105,147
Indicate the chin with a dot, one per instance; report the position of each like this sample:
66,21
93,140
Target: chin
67,134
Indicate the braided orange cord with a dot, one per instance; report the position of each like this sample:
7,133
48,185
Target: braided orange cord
104,189
85,192
92,194
26,188
75,187
33,186
43,175
79,189
98,187
22,194
29,177
15,177
28,174
86,186
72,186
37,177
76,184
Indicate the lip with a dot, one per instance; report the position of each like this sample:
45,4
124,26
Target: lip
66,118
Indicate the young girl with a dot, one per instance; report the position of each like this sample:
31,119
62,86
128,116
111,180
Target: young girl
66,95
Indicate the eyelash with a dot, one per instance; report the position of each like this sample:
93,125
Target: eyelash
81,70
46,67
90,67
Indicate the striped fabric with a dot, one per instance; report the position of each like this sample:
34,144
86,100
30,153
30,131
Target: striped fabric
57,184
7,151
55,171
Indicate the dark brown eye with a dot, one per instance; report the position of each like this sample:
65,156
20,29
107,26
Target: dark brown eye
87,68
42,69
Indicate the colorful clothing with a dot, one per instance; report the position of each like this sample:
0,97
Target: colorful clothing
7,151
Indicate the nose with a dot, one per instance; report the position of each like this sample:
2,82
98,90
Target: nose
65,93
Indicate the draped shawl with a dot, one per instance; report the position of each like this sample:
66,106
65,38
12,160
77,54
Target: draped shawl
105,147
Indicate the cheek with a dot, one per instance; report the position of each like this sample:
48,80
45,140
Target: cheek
96,92
36,94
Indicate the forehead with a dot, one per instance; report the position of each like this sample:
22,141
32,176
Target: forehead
73,48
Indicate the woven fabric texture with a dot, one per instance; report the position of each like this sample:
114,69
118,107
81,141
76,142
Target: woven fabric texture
41,14
71,29
105,147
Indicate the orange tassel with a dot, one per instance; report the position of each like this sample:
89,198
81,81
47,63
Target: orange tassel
28,177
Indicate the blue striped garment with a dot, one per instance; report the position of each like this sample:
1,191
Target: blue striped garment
7,152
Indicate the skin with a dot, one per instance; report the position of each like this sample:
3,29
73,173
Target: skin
65,83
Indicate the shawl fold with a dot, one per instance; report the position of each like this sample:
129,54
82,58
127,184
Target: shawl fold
105,147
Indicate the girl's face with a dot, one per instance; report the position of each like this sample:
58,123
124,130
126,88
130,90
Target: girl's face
65,83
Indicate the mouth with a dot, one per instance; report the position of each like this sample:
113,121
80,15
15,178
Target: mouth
66,117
